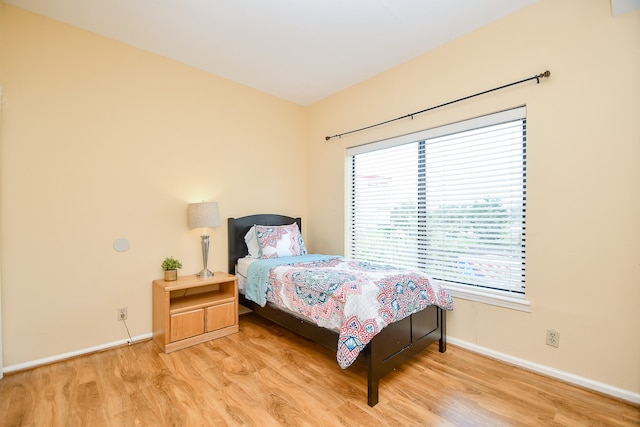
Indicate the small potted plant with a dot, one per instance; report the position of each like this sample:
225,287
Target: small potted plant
170,267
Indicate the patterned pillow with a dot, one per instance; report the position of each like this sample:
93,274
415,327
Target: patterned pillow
280,241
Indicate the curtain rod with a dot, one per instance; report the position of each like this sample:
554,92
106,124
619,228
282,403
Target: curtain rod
537,77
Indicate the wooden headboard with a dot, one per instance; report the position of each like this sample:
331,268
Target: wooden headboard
238,227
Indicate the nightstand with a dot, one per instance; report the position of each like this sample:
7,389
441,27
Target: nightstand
192,310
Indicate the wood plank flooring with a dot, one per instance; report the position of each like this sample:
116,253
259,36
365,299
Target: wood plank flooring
267,376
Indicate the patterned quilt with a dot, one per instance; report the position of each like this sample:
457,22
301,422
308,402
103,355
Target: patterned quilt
356,298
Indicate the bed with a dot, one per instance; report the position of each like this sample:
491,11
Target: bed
388,349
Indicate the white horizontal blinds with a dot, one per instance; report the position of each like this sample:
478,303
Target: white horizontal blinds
476,207
384,205
452,204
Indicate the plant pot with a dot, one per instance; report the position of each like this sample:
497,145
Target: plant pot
170,275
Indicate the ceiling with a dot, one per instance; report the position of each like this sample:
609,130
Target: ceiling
298,50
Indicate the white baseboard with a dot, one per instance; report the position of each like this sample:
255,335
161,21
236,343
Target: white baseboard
550,372
59,357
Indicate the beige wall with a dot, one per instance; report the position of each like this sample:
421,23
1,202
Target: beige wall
102,141
583,149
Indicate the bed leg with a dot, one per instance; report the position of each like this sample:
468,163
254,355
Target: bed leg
372,391
443,330
373,378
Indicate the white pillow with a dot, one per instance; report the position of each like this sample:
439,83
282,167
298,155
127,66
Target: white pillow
280,241
252,243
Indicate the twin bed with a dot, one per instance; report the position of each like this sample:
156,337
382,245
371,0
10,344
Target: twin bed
375,314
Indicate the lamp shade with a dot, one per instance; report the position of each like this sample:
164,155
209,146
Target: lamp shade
202,215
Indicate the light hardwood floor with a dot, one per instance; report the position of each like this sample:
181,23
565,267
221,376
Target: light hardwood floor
265,375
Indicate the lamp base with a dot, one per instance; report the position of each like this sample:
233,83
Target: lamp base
204,274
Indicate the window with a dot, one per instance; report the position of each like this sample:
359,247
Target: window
450,201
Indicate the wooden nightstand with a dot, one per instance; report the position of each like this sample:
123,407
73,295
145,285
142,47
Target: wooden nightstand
192,310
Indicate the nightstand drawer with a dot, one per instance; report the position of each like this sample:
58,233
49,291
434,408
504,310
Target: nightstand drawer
221,316
187,324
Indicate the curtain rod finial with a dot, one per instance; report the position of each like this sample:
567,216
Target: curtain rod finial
326,138
541,75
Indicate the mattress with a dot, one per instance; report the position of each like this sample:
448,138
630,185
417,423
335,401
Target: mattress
243,265
241,271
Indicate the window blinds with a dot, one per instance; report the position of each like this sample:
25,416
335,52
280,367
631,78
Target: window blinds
450,201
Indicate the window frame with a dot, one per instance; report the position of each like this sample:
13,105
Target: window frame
468,292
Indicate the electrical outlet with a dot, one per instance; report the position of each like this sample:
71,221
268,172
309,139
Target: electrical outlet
553,338
122,313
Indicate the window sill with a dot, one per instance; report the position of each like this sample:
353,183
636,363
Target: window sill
487,297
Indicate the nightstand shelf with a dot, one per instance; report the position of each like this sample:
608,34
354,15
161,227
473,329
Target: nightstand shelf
190,302
192,310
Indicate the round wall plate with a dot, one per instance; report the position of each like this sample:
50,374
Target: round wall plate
121,245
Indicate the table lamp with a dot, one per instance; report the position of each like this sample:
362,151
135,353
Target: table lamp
204,215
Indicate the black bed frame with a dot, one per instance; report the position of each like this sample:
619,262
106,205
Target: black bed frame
395,344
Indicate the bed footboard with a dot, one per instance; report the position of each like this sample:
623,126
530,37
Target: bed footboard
399,342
